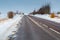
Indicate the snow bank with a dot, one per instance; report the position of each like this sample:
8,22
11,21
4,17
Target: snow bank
47,17
4,27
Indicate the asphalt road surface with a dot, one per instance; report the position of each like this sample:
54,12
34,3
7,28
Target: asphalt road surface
30,31
50,24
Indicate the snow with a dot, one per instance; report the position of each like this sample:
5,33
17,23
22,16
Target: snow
47,17
8,26
3,16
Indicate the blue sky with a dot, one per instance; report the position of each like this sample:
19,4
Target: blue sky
27,6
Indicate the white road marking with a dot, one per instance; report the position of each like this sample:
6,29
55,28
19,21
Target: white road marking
51,29
45,25
43,28
54,30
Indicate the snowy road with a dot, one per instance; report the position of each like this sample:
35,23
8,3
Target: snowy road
31,29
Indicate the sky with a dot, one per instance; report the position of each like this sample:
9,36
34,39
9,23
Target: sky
27,6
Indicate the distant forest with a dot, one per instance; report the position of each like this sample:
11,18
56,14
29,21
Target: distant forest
43,10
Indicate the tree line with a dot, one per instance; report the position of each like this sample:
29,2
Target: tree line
43,10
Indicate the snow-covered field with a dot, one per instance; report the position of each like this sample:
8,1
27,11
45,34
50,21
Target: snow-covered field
7,26
47,17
